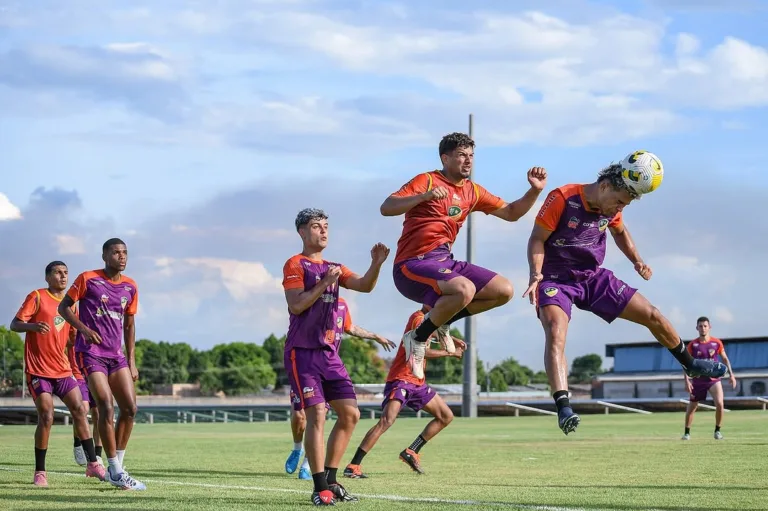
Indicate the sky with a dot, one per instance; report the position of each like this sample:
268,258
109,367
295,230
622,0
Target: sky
196,131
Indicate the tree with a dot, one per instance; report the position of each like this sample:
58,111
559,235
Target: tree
540,377
276,347
243,368
360,356
584,368
513,372
12,360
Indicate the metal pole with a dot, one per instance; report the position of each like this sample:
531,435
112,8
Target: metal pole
469,390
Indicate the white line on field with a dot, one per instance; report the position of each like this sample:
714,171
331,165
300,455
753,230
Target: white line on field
400,498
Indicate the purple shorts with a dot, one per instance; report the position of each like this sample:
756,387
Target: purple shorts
296,402
59,387
83,384
599,292
317,376
413,396
92,364
701,388
417,279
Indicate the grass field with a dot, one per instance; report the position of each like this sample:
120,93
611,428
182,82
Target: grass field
612,462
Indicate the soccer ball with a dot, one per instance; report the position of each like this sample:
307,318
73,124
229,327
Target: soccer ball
642,172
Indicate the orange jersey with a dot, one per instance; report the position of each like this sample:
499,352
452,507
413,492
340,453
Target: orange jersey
437,222
45,354
399,369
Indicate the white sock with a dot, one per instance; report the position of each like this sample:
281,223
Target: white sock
120,456
306,463
296,446
115,467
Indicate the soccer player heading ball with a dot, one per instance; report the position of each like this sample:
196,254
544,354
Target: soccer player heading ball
565,254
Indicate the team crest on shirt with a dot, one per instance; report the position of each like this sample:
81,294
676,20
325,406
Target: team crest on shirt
550,291
339,322
602,224
454,211
573,222
58,323
444,270
123,301
711,353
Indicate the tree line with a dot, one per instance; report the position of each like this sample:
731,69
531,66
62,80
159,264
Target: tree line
240,368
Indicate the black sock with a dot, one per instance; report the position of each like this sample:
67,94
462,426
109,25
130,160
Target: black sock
687,431
463,313
424,330
717,428
321,483
561,399
90,450
682,355
418,444
98,450
77,442
40,459
330,475
358,458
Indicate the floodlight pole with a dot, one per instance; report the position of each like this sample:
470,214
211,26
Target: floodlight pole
469,390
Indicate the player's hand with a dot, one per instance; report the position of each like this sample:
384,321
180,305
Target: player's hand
134,370
643,270
460,344
41,327
733,381
537,177
459,352
379,253
436,193
532,292
334,272
388,345
91,337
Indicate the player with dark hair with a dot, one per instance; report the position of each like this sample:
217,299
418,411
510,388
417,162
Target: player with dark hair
47,369
405,389
107,302
565,255
317,373
435,205
708,348
298,417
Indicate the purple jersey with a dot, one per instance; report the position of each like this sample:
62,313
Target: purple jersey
578,239
707,350
316,327
102,305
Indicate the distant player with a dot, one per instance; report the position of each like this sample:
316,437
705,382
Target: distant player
565,253
404,389
47,369
108,301
435,205
298,417
708,348
89,401
317,374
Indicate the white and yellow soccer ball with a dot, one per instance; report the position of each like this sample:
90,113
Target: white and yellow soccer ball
642,172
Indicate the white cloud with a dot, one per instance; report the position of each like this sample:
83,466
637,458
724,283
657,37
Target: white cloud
8,210
70,245
724,315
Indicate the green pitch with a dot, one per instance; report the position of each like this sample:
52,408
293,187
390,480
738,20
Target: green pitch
618,462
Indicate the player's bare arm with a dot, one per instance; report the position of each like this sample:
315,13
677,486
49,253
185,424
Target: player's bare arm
728,365
460,348
539,235
20,326
129,336
366,283
299,301
66,312
627,246
514,211
362,333
395,206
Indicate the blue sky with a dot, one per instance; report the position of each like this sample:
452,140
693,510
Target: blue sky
196,132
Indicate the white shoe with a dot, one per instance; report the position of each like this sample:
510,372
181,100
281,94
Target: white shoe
80,458
444,338
125,482
687,436
718,435
415,353
100,461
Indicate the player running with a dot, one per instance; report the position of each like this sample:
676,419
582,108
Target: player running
90,404
317,374
48,372
435,205
403,388
108,302
565,253
708,348
298,417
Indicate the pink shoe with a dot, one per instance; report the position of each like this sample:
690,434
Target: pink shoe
95,469
41,479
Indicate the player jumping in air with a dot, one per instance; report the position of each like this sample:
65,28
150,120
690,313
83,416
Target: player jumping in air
298,417
708,348
435,205
107,302
565,253
316,372
48,371
404,389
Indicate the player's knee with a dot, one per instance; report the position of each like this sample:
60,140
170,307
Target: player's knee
106,410
445,417
80,412
387,421
504,289
45,418
466,289
655,318
555,335
129,410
